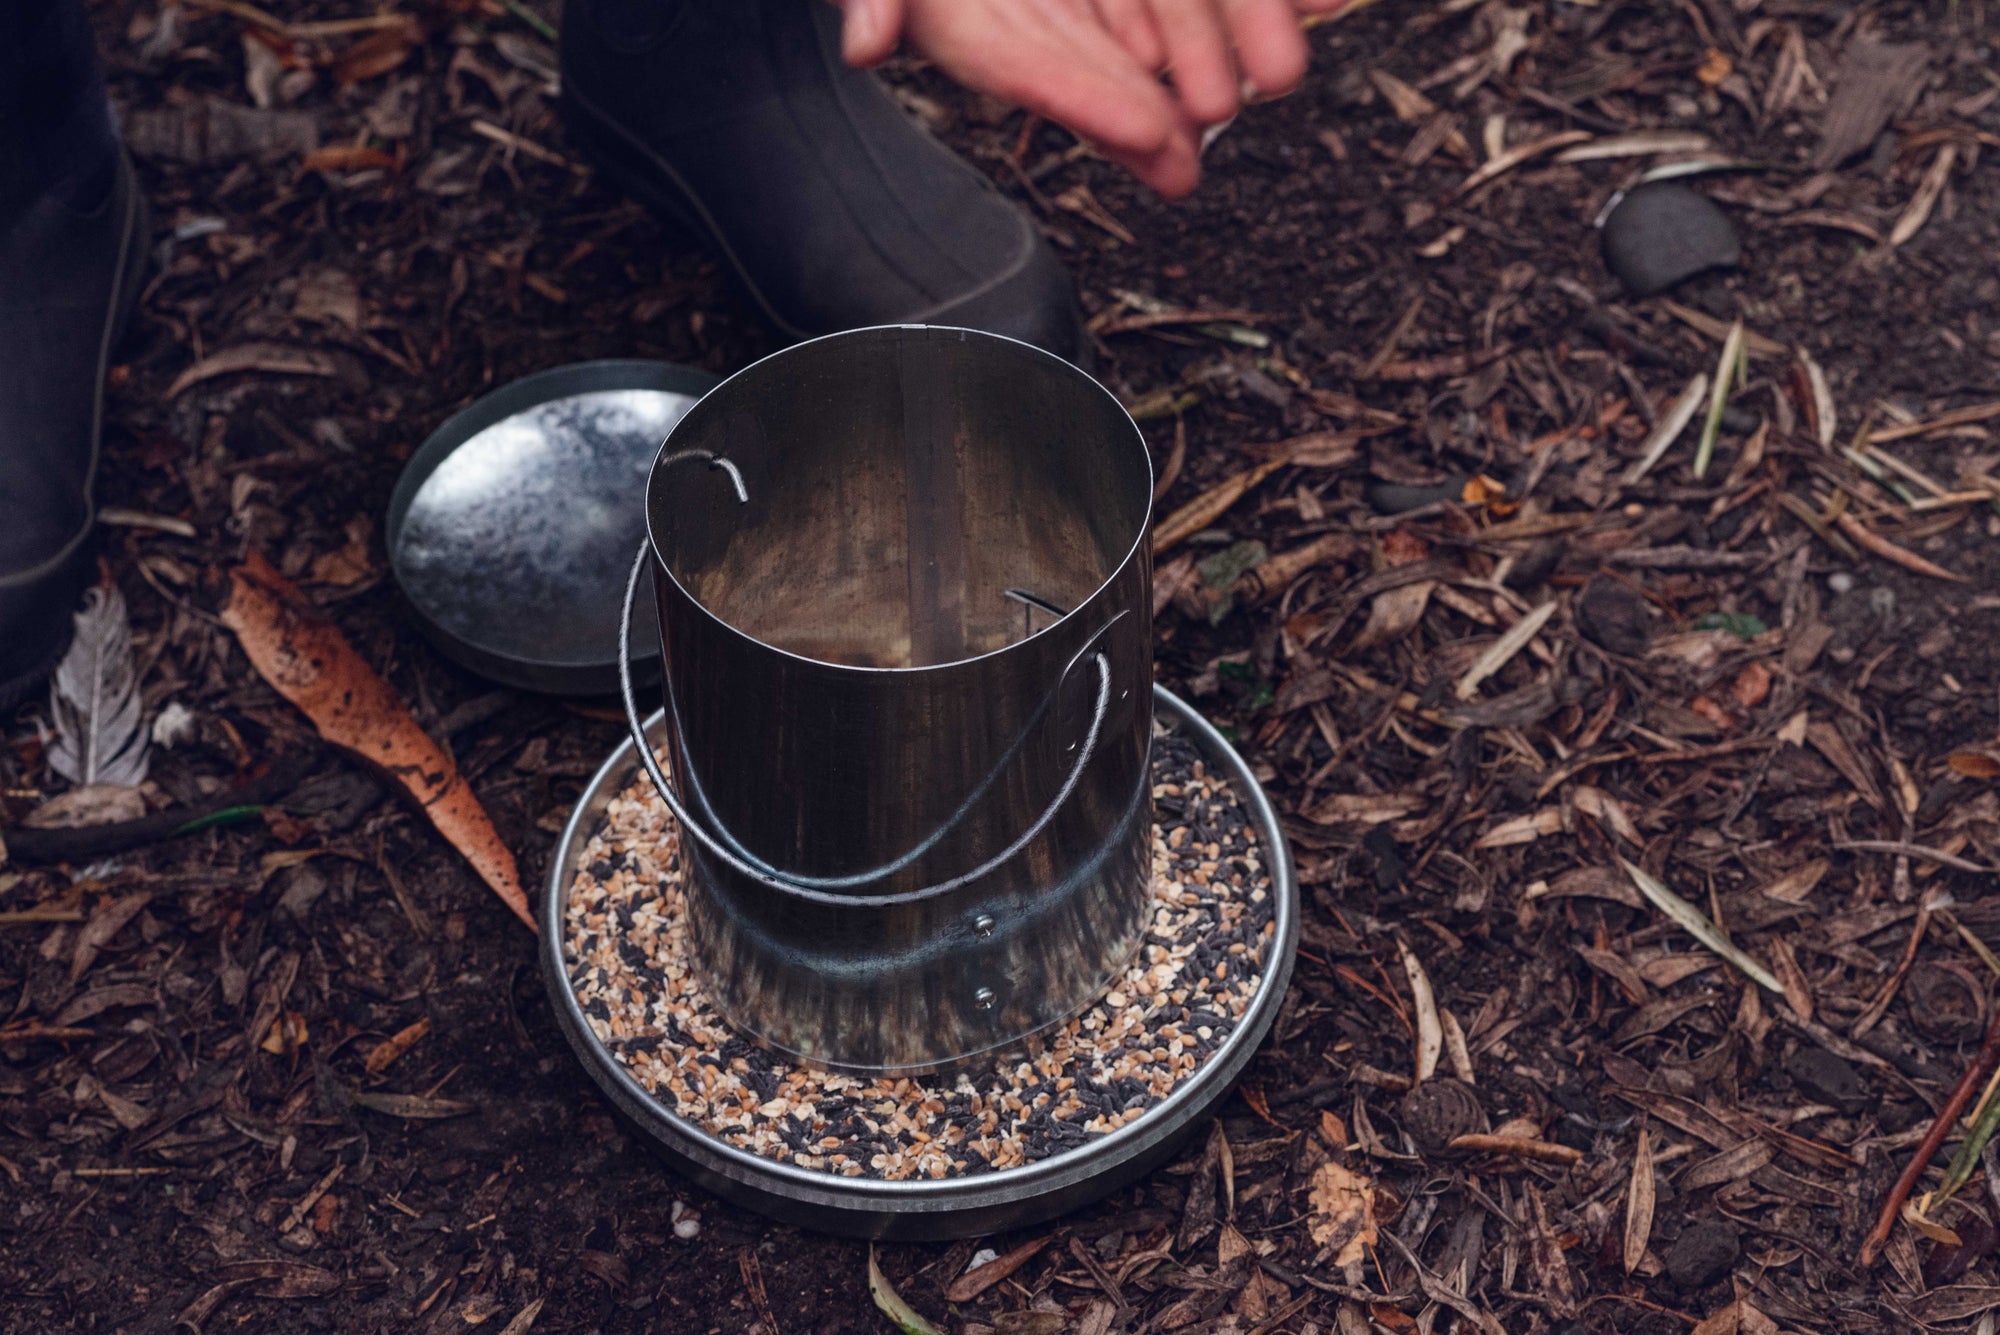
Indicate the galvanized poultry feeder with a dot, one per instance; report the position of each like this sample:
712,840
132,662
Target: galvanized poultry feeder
937,917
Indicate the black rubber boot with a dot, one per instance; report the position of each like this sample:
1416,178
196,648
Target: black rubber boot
67,279
739,120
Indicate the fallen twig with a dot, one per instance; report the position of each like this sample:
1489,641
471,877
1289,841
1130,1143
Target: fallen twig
1974,1078
85,843
1889,551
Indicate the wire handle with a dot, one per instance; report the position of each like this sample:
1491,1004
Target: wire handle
739,860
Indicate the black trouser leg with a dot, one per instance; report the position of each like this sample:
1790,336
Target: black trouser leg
56,132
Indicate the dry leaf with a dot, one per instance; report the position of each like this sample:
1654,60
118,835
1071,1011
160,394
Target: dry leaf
1798,992
1522,829
1975,762
1752,684
389,1049
1796,884
376,54
1210,506
109,919
303,654
1363,808
1723,1322
1639,1203
1697,925
1430,1033
1343,1204
1393,615
1603,807
413,1106
1332,1130
1502,650
276,358
981,1278
93,804
348,564
347,158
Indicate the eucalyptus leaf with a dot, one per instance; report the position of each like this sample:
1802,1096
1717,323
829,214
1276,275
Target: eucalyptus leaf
1697,925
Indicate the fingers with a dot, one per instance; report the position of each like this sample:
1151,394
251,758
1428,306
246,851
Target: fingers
1174,171
1270,47
1058,63
1198,52
869,30
1131,22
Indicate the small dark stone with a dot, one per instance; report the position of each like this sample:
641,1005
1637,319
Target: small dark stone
1390,864
1662,233
1822,1076
1703,1254
1537,564
1739,421
1439,1111
1613,615
1394,498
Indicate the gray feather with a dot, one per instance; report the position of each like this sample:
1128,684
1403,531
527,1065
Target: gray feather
100,734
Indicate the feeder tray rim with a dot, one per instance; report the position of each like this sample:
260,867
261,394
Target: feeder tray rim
1140,538
980,1191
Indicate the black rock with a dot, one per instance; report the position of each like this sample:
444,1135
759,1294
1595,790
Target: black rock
1662,233
1390,864
1703,1254
1395,498
1826,1078
1613,614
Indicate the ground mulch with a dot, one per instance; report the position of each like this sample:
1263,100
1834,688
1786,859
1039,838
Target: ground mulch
296,1070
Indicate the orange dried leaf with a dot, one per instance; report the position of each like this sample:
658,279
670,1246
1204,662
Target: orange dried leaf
376,54
1974,764
1400,548
1713,712
389,1049
1752,684
347,158
304,656
1210,506
1332,1130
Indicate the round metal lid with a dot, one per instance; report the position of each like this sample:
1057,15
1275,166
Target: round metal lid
511,529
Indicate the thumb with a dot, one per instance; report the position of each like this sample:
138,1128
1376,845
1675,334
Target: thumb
869,30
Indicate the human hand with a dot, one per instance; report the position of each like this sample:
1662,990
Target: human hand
1093,65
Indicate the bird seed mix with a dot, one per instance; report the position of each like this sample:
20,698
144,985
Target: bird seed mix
1196,972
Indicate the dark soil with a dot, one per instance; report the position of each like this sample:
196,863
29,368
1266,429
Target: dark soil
190,1126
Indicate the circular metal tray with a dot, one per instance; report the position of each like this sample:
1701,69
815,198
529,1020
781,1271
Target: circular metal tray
511,527
954,1207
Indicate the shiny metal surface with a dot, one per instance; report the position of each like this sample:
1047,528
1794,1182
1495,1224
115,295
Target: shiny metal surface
961,1207
511,527
884,741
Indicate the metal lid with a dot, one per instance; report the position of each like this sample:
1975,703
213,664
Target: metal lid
511,529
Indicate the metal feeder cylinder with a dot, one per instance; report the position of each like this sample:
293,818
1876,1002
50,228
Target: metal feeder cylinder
904,586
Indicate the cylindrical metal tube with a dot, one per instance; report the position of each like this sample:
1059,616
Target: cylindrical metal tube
923,797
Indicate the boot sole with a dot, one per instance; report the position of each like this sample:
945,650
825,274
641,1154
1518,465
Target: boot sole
134,260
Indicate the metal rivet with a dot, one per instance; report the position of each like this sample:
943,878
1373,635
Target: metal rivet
983,924
983,998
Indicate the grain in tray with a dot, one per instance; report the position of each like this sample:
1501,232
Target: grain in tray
1196,971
